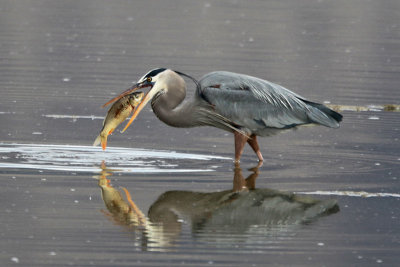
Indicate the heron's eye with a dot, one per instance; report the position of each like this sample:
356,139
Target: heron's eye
148,79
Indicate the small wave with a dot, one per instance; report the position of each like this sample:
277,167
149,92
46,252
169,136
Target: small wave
350,193
61,116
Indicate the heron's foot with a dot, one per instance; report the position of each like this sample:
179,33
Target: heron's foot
260,157
252,141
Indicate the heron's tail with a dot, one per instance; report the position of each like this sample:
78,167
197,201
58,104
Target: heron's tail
323,115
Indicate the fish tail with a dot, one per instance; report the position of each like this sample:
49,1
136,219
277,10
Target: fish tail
104,142
97,141
101,140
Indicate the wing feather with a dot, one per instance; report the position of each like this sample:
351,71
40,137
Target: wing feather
257,104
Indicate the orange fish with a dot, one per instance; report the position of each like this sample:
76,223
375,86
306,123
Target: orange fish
118,112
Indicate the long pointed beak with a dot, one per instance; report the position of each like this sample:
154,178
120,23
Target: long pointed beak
139,108
127,92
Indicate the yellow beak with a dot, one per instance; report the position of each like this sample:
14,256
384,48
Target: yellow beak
139,108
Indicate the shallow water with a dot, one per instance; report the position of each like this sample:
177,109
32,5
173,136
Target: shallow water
160,196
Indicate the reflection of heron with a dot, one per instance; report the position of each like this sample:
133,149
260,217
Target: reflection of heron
245,105
237,211
214,214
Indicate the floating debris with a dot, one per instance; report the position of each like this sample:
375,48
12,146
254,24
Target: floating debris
391,107
376,108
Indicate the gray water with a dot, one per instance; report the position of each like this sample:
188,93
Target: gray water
160,196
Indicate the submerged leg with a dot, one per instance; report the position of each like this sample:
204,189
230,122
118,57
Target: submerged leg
240,141
239,183
254,145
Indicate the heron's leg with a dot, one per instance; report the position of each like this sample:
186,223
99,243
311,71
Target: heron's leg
254,145
240,141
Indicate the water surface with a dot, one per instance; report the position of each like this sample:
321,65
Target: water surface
160,196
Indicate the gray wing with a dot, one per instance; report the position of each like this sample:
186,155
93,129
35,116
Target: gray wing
257,105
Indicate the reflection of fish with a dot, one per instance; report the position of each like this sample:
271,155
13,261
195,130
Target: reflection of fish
124,212
118,112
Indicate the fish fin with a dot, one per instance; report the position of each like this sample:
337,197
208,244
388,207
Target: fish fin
97,141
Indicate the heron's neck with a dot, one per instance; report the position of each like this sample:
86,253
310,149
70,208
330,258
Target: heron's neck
175,113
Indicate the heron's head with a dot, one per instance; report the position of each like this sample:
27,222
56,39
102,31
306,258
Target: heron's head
155,80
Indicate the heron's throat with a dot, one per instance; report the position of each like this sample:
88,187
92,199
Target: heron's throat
182,115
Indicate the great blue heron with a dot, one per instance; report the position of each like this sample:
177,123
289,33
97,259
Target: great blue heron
244,105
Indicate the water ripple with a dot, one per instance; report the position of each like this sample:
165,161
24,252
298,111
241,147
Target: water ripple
87,158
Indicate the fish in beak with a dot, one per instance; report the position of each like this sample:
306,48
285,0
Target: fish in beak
118,112
147,97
